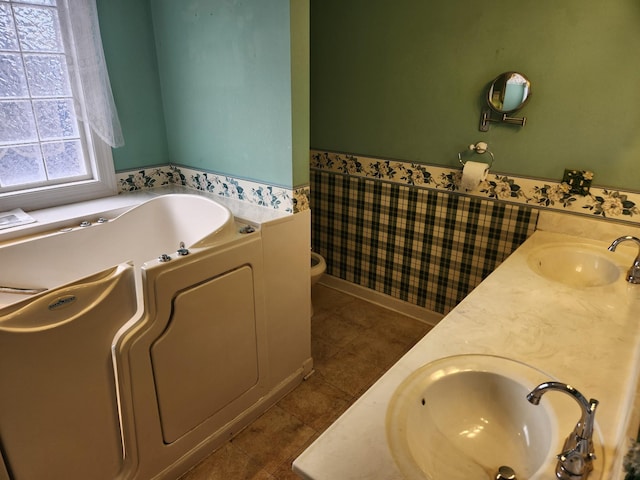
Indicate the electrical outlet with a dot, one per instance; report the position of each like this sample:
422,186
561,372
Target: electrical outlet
579,181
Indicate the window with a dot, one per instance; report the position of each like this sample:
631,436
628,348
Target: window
50,153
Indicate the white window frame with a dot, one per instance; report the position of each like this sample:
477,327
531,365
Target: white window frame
103,177
102,184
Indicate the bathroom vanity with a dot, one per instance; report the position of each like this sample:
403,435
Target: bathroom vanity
585,333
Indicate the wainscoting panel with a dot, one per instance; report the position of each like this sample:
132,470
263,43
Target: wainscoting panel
426,247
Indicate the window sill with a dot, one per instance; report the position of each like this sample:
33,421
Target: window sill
55,218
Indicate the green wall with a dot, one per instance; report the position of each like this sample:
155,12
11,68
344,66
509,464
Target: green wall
300,90
406,80
130,52
229,79
225,71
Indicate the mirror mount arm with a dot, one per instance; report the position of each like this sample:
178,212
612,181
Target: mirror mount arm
514,120
485,120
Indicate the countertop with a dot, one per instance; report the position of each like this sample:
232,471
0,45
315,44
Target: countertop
588,337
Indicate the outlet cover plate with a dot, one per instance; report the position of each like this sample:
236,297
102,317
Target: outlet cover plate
579,181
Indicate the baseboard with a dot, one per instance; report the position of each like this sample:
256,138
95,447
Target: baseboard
419,313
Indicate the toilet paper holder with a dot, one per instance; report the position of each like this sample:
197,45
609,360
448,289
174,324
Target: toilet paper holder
479,148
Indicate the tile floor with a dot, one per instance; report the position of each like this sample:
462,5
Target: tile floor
353,343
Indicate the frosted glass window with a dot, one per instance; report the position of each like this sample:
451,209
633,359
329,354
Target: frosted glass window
17,124
13,82
47,75
38,29
64,159
21,165
56,119
8,36
41,140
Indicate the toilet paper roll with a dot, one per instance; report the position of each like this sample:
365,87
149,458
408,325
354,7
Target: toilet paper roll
472,174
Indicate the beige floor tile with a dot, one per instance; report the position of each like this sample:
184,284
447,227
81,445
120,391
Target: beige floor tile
325,298
334,328
321,351
228,462
361,312
263,475
349,372
316,403
400,328
379,351
285,473
273,438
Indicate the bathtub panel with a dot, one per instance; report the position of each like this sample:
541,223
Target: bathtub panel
58,408
208,355
149,455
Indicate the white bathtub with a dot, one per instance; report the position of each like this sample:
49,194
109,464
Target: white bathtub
126,366
141,234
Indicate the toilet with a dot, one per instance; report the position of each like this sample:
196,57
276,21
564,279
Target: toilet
318,266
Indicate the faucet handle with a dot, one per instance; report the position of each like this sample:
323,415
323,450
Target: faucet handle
576,461
573,464
564,456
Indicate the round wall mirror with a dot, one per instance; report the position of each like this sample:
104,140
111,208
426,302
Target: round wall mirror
509,92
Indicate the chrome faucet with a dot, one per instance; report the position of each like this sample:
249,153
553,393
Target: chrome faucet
576,460
633,275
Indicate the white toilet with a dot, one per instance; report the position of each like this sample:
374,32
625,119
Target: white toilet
318,266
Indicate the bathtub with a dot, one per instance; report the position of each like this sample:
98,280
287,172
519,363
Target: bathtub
144,232
144,346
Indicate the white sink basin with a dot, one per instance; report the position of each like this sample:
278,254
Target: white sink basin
464,417
575,265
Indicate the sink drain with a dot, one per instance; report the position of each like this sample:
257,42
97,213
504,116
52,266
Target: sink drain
505,473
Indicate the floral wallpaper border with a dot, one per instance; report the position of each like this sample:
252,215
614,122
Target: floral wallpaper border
606,203
278,198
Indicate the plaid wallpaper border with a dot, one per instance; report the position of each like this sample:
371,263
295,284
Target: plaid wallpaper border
421,246
259,194
606,203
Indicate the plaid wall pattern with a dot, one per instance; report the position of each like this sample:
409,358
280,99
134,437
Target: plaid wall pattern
422,246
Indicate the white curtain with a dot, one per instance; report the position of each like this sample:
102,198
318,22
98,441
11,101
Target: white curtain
81,35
